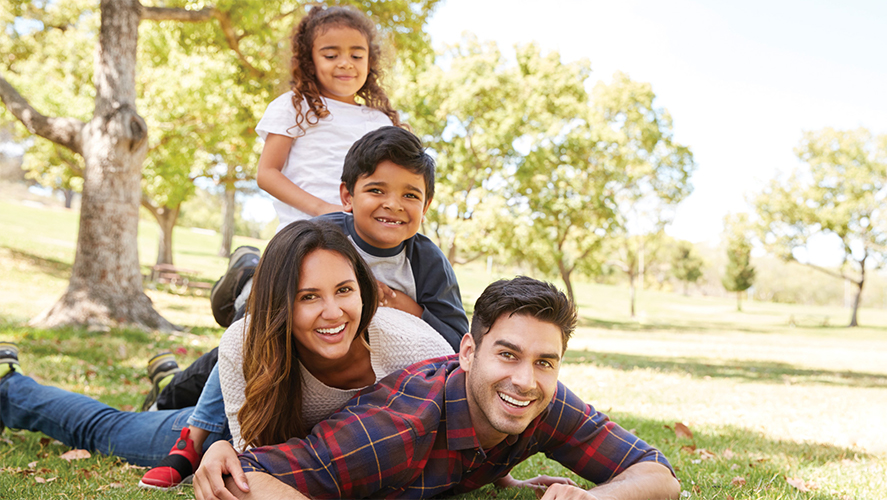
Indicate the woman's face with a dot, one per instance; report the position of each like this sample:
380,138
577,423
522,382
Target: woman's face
327,310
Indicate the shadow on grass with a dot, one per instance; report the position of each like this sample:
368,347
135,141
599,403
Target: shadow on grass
781,322
753,371
707,464
51,267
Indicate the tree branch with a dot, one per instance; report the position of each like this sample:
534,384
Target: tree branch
63,131
203,15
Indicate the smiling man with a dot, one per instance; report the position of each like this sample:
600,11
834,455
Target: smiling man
451,425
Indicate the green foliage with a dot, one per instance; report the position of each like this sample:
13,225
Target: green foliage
739,274
841,192
686,264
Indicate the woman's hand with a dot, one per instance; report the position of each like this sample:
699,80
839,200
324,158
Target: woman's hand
209,481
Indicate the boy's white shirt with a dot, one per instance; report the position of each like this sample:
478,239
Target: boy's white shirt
315,159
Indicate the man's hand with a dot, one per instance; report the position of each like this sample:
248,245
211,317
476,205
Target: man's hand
389,297
566,491
538,484
209,483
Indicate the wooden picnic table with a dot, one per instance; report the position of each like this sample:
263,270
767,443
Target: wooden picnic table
177,277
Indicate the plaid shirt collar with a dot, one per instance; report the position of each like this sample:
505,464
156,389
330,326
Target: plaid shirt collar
460,430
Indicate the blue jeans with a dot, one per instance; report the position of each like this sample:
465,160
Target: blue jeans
82,422
209,414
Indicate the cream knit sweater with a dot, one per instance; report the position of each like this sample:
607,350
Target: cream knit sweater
397,340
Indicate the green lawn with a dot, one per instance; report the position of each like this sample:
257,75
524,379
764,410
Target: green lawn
771,394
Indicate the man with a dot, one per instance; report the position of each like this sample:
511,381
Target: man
451,425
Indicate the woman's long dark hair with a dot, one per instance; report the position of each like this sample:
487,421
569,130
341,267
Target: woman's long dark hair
272,412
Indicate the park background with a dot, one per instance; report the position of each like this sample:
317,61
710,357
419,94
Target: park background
546,164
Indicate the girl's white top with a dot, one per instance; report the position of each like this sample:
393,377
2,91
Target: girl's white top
397,340
315,159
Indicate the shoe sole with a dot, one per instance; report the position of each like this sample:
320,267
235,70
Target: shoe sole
222,295
187,481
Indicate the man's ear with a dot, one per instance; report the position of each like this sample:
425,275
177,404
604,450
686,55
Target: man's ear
466,352
345,195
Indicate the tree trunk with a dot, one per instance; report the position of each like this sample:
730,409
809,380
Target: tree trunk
229,206
565,276
166,219
451,253
739,301
632,291
106,284
856,301
69,197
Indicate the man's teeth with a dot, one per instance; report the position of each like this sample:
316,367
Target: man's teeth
331,331
515,402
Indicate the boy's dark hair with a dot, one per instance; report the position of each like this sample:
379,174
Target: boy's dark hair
523,295
394,144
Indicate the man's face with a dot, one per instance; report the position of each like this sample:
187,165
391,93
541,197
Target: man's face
512,376
388,205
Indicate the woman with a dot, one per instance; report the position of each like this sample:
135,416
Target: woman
313,301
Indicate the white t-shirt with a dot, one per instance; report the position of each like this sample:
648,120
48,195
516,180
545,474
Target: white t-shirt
316,158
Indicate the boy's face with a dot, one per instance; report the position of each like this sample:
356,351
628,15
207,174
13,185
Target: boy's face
388,205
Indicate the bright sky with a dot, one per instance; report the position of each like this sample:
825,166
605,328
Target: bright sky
741,80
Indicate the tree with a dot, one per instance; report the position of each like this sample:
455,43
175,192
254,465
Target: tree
588,181
105,286
686,264
739,274
840,193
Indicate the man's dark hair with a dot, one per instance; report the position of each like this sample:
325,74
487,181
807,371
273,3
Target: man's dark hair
523,295
394,144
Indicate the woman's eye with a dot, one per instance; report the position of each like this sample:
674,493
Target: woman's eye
345,289
308,296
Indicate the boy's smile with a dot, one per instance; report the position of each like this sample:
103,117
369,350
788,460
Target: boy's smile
388,205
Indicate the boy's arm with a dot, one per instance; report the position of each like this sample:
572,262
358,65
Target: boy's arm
271,179
438,292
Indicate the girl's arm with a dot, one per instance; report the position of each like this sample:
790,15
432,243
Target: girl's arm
271,179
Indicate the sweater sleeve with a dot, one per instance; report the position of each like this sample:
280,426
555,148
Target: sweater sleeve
231,377
437,291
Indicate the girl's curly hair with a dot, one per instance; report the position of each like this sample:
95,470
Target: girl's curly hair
304,83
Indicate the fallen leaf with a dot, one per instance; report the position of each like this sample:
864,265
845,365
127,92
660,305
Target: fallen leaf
42,481
45,441
75,455
705,454
738,481
728,454
127,408
682,431
688,449
734,466
801,485
32,464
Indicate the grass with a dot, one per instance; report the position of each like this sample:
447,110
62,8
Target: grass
775,393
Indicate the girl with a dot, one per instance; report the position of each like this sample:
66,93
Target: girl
317,339
308,130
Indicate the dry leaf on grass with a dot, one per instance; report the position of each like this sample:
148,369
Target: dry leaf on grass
682,431
75,455
42,480
705,454
801,485
32,465
728,454
738,481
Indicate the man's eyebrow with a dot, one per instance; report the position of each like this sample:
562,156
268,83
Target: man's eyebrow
514,347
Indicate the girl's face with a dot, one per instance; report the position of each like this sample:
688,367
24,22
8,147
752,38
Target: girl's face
341,62
327,308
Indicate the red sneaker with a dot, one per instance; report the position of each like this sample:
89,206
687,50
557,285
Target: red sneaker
181,462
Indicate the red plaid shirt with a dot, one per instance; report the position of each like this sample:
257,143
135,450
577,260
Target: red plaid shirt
411,437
